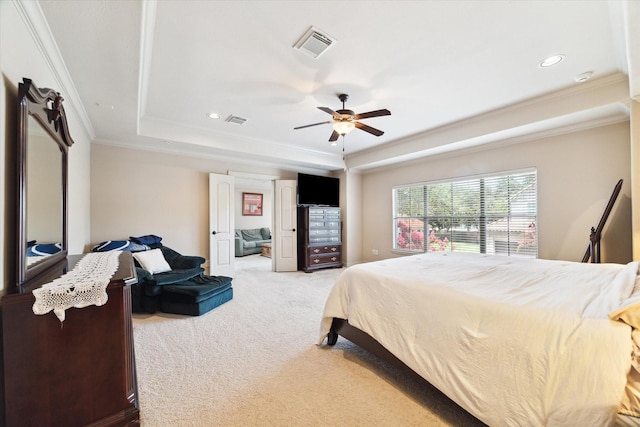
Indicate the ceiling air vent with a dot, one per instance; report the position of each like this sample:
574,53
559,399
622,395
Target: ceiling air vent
314,42
235,119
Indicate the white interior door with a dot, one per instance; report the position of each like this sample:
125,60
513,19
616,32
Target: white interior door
221,225
285,257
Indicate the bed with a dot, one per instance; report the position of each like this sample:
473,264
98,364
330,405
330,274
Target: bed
513,341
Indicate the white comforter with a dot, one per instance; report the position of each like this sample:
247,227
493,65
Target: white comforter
515,342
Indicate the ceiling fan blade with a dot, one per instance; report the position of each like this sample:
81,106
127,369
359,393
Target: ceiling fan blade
376,113
334,136
369,129
315,124
327,110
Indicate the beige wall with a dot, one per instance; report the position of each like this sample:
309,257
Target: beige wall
351,204
136,192
131,195
576,175
21,56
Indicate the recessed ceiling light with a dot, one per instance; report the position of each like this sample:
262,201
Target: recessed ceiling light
550,61
581,78
213,115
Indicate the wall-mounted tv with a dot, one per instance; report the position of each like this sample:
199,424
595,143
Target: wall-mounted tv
315,190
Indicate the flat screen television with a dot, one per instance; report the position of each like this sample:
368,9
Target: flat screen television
315,190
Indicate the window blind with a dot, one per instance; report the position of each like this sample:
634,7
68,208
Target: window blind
490,214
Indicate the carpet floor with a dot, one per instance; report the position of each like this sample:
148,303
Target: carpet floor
254,362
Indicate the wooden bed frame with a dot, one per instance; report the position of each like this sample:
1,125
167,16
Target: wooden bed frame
341,327
592,254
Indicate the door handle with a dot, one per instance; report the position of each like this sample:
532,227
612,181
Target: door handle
214,232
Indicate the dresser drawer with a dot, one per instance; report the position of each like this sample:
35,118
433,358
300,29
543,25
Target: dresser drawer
325,249
324,239
317,224
323,259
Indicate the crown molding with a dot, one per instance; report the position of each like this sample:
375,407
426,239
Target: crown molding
37,25
149,11
243,147
589,104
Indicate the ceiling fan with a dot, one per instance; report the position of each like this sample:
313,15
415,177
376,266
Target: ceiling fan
344,121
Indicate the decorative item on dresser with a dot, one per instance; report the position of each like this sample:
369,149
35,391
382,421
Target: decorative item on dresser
319,242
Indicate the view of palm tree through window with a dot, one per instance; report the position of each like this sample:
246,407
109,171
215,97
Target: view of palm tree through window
491,214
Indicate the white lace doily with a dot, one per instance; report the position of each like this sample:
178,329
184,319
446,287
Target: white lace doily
85,285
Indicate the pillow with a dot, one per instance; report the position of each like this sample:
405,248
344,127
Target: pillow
149,239
153,261
266,233
136,247
44,249
251,234
111,245
629,312
630,403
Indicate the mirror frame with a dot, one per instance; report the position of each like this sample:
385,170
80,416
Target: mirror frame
45,106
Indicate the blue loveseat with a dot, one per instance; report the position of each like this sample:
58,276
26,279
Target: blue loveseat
183,290
250,241
169,281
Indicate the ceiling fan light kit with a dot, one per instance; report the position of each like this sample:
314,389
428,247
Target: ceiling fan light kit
344,121
343,127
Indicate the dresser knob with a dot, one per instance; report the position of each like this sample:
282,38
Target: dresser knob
333,258
316,260
334,249
316,250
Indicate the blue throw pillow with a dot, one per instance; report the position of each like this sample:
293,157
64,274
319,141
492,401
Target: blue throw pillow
136,247
149,239
43,249
111,245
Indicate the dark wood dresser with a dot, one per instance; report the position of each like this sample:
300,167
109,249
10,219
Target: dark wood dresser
74,373
319,238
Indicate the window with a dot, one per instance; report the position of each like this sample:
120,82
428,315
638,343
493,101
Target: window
490,214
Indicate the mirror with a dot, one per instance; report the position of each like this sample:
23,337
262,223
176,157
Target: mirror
43,143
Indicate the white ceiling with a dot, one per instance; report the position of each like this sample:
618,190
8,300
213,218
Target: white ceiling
454,74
